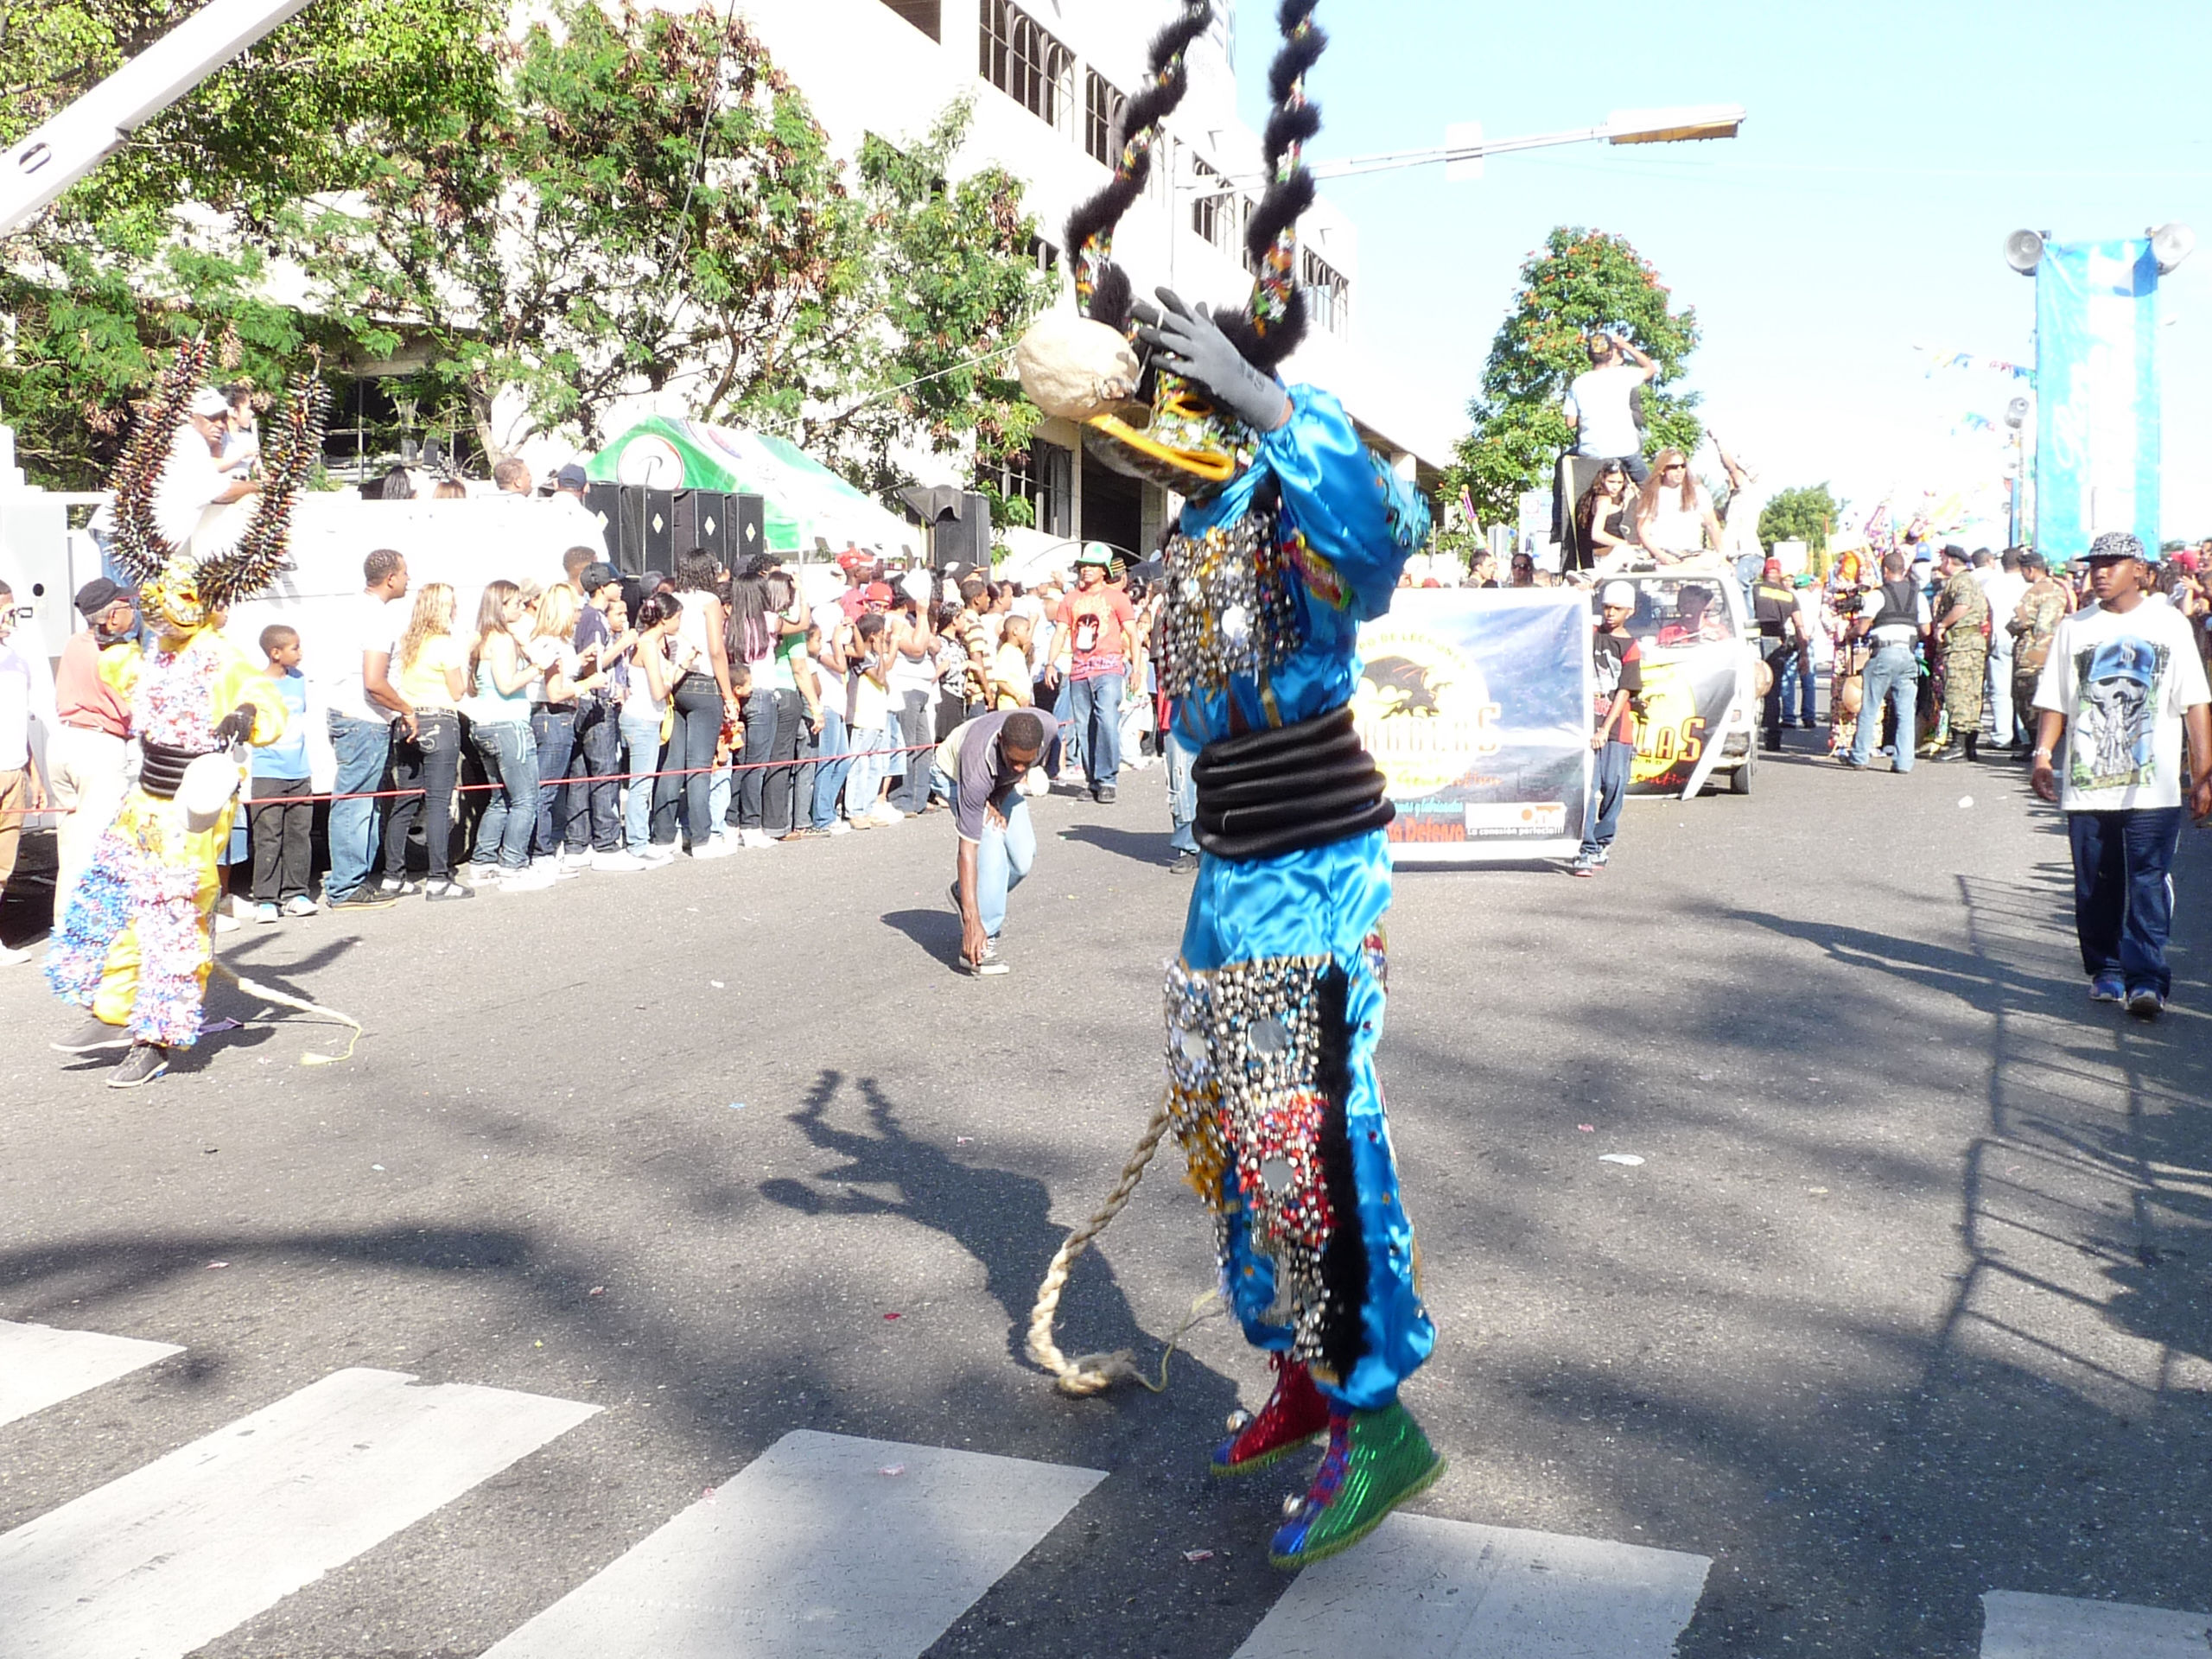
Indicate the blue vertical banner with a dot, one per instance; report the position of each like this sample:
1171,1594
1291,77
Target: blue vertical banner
2096,394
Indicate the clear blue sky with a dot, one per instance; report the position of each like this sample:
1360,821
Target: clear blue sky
1890,148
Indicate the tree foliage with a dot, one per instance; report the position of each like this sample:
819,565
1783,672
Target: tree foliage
174,233
604,203
1806,514
1579,283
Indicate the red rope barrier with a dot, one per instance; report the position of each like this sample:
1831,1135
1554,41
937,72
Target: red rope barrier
250,803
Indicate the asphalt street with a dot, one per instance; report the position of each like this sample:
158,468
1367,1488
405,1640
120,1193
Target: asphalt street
1906,1303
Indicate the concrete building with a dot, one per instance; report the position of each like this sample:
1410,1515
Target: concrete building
1047,77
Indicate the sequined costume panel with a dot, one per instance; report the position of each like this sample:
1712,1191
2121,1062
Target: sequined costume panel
1276,1004
134,946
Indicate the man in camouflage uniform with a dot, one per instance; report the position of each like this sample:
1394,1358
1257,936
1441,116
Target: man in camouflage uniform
2031,625
1963,625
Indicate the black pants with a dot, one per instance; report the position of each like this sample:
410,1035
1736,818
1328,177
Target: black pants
777,792
1775,652
429,761
591,806
280,838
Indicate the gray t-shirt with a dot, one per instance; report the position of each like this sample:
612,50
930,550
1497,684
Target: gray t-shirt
971,755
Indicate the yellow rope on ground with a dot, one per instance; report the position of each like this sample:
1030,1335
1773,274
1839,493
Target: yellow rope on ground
254,988
1096,1373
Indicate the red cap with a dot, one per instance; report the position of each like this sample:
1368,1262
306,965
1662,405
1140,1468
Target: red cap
877,593
1773,568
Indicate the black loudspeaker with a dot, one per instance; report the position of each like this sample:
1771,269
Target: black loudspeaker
702,521
657,540
604,503
965,541
748,531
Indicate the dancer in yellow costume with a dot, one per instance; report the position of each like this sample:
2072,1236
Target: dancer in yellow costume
135,944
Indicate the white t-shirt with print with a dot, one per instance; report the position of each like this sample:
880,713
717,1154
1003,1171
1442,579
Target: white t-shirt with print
2122,682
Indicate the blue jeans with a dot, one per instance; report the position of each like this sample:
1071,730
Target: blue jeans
555,732
591,806
1892,675
917,728
1608,788
1095,710
641,737
864,778
1002,858
2123,894
1182,797
363,751
698,724
509,752
829,775
1797,690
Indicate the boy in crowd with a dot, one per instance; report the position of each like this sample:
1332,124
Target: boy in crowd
2123,685
1619,664
26,694
281,850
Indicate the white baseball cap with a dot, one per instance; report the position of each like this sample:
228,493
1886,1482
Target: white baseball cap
1618,595
208,401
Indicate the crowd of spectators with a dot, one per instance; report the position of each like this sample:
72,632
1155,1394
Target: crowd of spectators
604,723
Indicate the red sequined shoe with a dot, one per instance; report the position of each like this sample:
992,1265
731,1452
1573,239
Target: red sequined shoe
1294,1416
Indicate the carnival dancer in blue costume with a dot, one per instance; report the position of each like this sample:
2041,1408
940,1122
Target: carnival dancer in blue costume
1294,535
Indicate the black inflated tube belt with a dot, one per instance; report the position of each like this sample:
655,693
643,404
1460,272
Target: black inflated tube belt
1288,789
160,769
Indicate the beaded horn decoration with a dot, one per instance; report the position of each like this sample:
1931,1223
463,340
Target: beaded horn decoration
1274,320
194,583
1101,288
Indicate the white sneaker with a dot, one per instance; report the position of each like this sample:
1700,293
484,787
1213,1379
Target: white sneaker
839,826
885,815
485,875
533,880
300,904
716,846
576,863
9,953
756,838
656,856
616,863
225,923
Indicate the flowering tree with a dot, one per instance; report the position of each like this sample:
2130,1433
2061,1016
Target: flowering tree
1581,283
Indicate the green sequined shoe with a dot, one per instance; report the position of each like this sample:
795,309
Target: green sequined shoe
1376,1461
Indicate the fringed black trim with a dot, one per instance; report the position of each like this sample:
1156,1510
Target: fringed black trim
1148,106
1266,351
1290,124
1110,298
1344,1262
1279,210
1297,56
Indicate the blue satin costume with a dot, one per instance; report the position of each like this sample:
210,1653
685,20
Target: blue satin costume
1346,526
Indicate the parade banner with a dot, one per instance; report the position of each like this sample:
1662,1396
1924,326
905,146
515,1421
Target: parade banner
2097,383
1687,686
1475,702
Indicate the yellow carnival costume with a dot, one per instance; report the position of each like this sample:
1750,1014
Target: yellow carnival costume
134,946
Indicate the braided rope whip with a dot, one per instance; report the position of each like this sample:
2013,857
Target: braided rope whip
269,993
1096,1373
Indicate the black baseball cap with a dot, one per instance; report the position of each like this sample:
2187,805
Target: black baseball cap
596,576
97,595
571,477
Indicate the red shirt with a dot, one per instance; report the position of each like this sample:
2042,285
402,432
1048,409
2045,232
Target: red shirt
81,697
1097,620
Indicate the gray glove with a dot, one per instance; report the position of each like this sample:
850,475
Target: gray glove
237,727
1188,342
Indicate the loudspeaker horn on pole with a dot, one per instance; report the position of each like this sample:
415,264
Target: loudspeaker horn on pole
2171,243
2023,252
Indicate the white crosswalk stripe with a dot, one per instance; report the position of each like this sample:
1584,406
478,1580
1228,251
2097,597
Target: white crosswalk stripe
41,1367
2016,1625
173,1554
825,1547
1421,1586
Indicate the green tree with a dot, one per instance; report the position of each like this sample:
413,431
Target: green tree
174,233
1580,283
1805,515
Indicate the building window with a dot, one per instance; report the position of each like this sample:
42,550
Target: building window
1101,117
922,14
1328,294
1019,58
1217,211
1053,470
